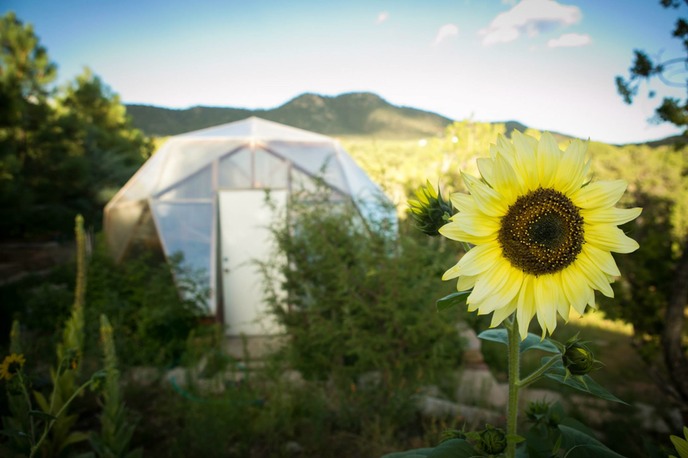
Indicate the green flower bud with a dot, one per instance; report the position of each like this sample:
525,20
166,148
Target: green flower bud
449,434
429,210
537,410
492,440
578,359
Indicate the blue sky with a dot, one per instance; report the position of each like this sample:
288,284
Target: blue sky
548,64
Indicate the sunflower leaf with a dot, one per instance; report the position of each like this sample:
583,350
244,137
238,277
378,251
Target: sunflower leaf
581,445
452,300
453,448
533,342
583,383
416,453
42,415
495,335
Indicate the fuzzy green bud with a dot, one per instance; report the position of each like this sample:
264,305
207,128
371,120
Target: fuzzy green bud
492,440
429,209
449,434
578,359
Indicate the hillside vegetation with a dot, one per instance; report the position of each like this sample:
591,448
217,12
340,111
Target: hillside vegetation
356,114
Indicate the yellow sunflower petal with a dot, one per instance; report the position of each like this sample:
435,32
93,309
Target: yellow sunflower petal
506,181
610,238
465,282
571,174
452,272
487,199
599,194
505,147
603,259
480,258
508,290
526,306
547,296
548,156
613,215
463,202
454,231
489,283
576,288
486,167
596,278
476,224
503,313
527,160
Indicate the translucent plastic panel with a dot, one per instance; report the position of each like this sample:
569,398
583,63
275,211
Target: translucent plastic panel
319,159
145,239
256,128
186,228
302,184
197,186
186,156
120,223
270,171
235,170
369,198
143,182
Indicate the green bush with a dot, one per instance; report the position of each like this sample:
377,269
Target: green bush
153,319
358,306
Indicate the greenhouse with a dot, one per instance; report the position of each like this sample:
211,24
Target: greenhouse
204,195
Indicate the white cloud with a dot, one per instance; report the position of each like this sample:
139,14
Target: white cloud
531,17
382,17
444,32
569,40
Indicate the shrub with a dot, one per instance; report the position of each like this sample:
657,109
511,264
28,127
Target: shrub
357,305
153,319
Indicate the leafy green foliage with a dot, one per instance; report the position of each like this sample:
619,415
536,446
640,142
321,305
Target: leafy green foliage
354,300
452,300
643,69
551,431
357,306
116,432
142,301
531,342
58,431
62,151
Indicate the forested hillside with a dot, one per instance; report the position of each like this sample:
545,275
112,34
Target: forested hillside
359,114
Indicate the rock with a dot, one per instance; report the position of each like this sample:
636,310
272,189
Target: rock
479,387
293,448
431,406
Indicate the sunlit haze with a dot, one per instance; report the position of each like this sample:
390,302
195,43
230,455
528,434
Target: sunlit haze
549,65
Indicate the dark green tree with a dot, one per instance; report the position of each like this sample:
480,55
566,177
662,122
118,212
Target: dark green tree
672,276
63,151
645,68
25,74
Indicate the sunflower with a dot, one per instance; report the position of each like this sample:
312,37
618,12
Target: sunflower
11,365
543,233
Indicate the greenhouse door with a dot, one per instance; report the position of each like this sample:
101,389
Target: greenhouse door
245,218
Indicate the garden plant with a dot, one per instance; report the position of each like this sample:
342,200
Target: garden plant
538,234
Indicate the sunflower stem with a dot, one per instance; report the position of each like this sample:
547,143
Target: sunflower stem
538,374
514,366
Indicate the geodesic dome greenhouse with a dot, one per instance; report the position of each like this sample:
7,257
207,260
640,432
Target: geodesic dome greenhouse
203,194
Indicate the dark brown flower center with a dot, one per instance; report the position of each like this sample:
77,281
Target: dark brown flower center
13,367
542,232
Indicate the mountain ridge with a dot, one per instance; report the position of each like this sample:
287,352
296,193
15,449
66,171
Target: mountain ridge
348,114
363,114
